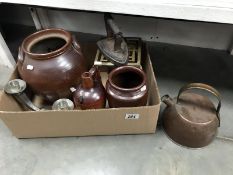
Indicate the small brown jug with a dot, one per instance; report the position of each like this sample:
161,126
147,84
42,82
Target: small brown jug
127,87
90,94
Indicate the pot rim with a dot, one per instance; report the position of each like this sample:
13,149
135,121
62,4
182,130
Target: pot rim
32,39
122,69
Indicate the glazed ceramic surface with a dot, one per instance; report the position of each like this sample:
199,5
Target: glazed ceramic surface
90,94
127,87
51,62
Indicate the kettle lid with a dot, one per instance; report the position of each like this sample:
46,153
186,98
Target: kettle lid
196,108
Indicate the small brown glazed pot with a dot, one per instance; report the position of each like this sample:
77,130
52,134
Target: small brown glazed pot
191,119
51,62
90,94
127,87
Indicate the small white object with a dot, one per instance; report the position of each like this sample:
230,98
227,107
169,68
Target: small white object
143,88
72,89
30,67
132,116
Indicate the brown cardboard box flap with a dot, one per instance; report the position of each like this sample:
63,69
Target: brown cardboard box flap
81,123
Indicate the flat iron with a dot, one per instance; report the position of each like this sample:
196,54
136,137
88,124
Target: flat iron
114,47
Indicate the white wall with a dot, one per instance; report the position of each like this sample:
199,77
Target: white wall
190,33
197,34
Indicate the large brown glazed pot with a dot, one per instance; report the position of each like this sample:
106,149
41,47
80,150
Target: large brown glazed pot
51,62
127,87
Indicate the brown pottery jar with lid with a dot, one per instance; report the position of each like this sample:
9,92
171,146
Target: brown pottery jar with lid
51,61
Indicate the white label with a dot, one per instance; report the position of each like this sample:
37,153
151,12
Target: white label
132,116
29,67
72,89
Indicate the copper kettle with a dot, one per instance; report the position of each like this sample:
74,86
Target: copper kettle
191,119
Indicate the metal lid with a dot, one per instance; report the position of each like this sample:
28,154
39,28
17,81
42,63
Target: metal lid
15,86
63,104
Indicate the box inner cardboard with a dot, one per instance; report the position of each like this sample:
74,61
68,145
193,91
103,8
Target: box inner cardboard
8,104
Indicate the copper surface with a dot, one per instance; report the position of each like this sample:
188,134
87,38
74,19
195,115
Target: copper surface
191,119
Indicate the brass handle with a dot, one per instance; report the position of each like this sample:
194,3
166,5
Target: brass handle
206,88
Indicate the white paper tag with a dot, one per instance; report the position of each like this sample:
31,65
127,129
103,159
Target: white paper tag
72,89
30,67
132,116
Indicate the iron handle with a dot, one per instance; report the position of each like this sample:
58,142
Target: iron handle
113,26
205,87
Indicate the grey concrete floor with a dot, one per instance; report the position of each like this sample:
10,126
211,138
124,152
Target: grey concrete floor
150,154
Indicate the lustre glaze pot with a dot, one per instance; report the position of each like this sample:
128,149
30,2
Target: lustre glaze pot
127,87
51,62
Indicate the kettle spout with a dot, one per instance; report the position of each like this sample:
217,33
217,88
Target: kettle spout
167,100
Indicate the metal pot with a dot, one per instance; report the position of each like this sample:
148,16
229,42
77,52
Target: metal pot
191,119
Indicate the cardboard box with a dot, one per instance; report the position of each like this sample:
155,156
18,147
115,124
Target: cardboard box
109,121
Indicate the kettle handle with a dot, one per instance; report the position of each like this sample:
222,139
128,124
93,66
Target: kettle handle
206,88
